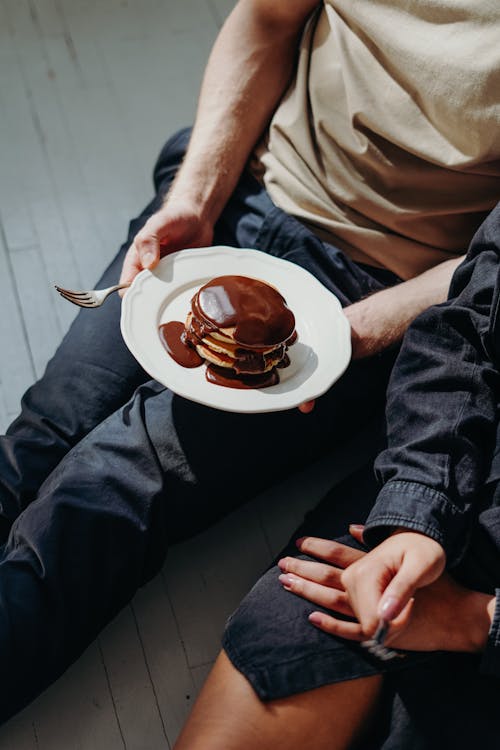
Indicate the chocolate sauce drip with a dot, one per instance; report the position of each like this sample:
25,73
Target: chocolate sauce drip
173,339
227,377
284,362
256,310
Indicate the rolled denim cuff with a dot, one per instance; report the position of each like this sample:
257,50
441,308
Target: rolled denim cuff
490,663
417,507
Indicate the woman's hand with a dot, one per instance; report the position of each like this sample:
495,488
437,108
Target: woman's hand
442,616
382,583
177,225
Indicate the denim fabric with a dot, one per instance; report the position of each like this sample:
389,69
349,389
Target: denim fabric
269,638
442,412
430,701
441,468
104,468
441,474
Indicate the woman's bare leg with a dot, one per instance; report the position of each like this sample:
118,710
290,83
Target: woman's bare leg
228,715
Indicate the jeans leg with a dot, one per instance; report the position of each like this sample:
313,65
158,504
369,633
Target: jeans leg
90,376
93,373
156,471
76,554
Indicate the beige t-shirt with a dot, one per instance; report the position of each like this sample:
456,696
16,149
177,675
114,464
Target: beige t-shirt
388,142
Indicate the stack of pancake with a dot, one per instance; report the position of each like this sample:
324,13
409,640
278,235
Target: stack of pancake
240,324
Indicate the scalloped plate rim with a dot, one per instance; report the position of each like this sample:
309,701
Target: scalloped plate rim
316,363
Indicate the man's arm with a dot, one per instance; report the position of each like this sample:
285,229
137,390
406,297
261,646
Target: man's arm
247,73
250,66
379,321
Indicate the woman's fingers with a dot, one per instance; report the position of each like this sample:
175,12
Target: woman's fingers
313,571
350,630
400,623
381,584
422,563
333,552
324,596
356,530
353,630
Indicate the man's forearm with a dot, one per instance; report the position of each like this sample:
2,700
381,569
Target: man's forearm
379,321
247,73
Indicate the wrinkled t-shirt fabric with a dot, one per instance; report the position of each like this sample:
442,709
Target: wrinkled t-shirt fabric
387,143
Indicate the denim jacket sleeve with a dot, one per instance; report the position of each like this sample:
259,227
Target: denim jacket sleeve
442,408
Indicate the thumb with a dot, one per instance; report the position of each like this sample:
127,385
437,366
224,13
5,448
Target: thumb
398,593
147,242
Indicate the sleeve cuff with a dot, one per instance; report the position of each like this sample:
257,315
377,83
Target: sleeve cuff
420,508
490,663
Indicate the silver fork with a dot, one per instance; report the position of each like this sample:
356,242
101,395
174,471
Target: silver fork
91,297
376,645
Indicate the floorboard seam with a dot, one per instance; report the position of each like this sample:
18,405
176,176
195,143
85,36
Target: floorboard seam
146,662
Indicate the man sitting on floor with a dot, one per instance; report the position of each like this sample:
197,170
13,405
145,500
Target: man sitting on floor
376,162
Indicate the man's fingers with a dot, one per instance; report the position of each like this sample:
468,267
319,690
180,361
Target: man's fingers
148,248
326,549
307,407
313,571
131,267
324,596
143,253
149,238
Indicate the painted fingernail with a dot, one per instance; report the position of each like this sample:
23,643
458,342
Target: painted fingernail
388,608
315,618
299,541
286,579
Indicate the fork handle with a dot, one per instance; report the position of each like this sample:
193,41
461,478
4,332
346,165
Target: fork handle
116,287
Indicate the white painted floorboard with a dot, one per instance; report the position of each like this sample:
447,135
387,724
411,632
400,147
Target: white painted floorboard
89,91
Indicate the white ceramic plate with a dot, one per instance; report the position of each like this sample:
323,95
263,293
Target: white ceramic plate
317,359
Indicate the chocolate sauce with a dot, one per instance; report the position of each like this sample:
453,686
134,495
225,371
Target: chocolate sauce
227,377
173,339
257,311
253,323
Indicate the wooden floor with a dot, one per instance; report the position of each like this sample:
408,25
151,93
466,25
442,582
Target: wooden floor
89,90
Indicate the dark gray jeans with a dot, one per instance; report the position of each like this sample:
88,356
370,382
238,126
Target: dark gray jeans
104,468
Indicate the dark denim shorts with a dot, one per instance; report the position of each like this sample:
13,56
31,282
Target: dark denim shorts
269,638
430,700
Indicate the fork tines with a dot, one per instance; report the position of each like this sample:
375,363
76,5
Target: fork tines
83,299
70,292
